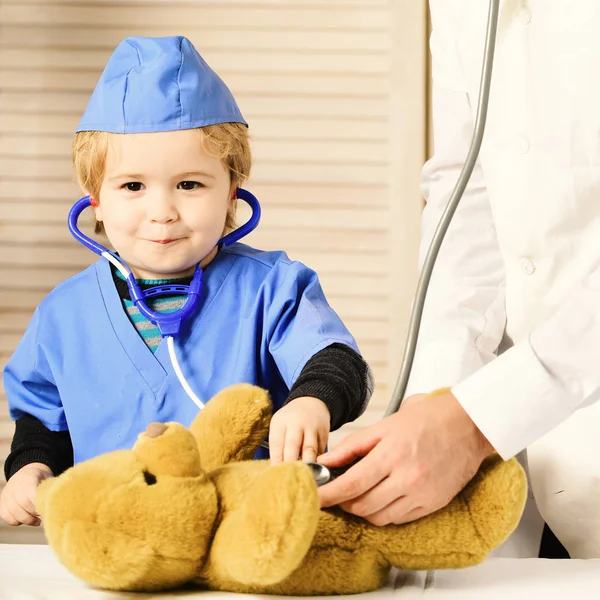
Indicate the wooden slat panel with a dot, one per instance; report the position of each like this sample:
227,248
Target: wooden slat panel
66,103
21,535
70,106
4,447
17,299
31,213
351,152
291,172
47,193
14,321
222,62
291,129
256,17
307,196
7,428
310,4
305,84
209,40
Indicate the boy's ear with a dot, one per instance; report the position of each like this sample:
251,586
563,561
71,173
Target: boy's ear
231,206
97,209
94,202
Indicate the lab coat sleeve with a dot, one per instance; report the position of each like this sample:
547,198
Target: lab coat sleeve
300,320
464,315
29,383
542,380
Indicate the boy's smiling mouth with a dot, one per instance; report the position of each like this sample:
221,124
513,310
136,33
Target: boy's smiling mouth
164,242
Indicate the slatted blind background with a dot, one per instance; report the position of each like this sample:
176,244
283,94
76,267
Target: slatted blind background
334,94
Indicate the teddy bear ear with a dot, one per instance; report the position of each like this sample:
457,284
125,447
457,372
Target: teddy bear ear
168,449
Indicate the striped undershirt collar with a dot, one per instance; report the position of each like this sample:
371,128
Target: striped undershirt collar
164,304
144,284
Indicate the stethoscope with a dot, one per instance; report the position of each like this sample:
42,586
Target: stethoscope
170,323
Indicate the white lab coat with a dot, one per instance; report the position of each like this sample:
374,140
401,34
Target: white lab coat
521,264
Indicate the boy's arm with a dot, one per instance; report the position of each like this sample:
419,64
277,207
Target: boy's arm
300,324
33,442
34,403
339,377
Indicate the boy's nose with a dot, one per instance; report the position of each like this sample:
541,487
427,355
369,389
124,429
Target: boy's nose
161,209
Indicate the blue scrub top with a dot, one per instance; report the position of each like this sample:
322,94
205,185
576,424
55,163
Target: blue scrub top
82,366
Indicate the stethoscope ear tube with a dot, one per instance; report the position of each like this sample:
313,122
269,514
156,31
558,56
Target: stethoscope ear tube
250,225
83,239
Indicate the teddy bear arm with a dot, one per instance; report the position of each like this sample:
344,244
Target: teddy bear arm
232,425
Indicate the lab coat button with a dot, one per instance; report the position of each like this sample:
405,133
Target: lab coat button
525,15
522,144
527,266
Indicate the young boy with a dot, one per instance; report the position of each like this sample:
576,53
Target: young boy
161,150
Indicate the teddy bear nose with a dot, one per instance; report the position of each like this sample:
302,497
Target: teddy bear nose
155,429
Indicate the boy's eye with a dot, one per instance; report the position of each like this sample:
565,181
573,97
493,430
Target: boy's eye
133,186
189,185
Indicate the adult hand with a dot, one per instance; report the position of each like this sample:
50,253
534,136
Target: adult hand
415,461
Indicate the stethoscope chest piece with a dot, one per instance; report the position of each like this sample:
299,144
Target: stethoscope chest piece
322,474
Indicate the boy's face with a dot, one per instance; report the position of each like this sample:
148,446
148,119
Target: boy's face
163,202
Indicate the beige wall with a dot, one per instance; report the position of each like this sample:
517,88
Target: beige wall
335,93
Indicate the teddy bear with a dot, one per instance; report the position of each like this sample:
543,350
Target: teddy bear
190,506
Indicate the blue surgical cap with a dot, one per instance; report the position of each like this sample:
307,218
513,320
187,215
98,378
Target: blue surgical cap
158,84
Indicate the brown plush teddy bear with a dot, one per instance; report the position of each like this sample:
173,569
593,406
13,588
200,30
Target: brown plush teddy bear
189,506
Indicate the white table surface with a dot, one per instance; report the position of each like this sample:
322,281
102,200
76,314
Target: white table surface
31,572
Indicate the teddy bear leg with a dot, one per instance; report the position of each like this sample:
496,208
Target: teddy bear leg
266,539
463,533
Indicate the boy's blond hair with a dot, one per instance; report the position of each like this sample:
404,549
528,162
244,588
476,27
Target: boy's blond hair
226,141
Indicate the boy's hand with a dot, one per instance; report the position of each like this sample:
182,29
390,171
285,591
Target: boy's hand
299,430
17,501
